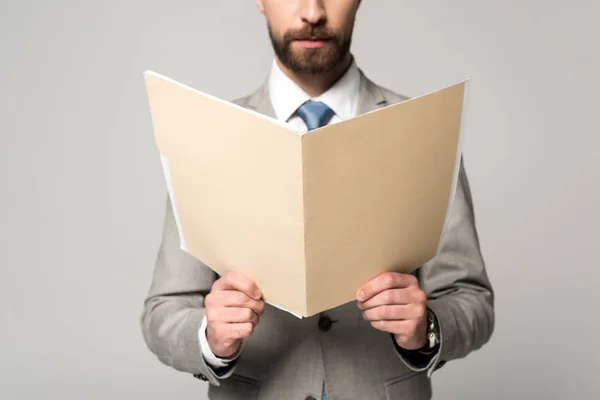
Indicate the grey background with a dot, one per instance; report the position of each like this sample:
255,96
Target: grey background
83,194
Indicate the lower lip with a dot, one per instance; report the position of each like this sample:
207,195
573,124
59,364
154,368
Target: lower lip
311,44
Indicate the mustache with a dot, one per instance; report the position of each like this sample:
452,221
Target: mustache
311,32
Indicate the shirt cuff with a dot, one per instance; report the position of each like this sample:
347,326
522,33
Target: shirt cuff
217,363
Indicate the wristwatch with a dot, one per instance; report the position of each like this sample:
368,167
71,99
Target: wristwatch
433,333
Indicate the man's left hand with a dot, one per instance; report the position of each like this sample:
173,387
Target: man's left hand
394,303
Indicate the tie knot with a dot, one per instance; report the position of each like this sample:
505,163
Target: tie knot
315,114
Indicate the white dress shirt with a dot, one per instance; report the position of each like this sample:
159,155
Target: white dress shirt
286,97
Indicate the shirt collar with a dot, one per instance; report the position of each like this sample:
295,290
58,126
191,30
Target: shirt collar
286,96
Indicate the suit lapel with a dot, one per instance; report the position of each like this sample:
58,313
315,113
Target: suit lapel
260,101
370,98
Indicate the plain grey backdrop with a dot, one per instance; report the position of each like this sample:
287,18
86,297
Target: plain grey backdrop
83,195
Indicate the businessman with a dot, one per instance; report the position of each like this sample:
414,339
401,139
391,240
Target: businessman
400,329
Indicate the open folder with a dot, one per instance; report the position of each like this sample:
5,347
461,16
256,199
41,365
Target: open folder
309,217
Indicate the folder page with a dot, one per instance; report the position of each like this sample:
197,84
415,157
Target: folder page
236,178
376,192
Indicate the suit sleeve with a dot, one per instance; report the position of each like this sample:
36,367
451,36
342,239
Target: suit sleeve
173,310
457,285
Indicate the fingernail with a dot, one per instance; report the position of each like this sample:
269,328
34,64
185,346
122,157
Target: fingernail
360,296
257,294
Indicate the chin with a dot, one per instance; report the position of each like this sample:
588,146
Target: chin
311,61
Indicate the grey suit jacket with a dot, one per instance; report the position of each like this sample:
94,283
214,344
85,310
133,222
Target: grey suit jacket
290,358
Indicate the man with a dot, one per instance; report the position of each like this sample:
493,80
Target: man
401,327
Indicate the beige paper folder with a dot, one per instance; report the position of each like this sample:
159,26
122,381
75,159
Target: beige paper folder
309,217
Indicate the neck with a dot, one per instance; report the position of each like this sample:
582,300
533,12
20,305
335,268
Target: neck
316,84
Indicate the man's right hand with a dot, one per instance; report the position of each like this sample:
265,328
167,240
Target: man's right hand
233,308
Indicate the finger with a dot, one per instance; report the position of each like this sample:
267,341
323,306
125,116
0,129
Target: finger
385,281
388,312
395,327
240,331
231,315
394,296
233,298
395,312
235,281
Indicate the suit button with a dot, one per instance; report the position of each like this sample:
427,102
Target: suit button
325,323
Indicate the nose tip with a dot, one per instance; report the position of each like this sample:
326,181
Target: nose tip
313,12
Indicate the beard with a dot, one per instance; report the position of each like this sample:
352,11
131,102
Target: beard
311,61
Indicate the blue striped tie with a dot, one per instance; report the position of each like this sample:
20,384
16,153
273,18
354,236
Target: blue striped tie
315,114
